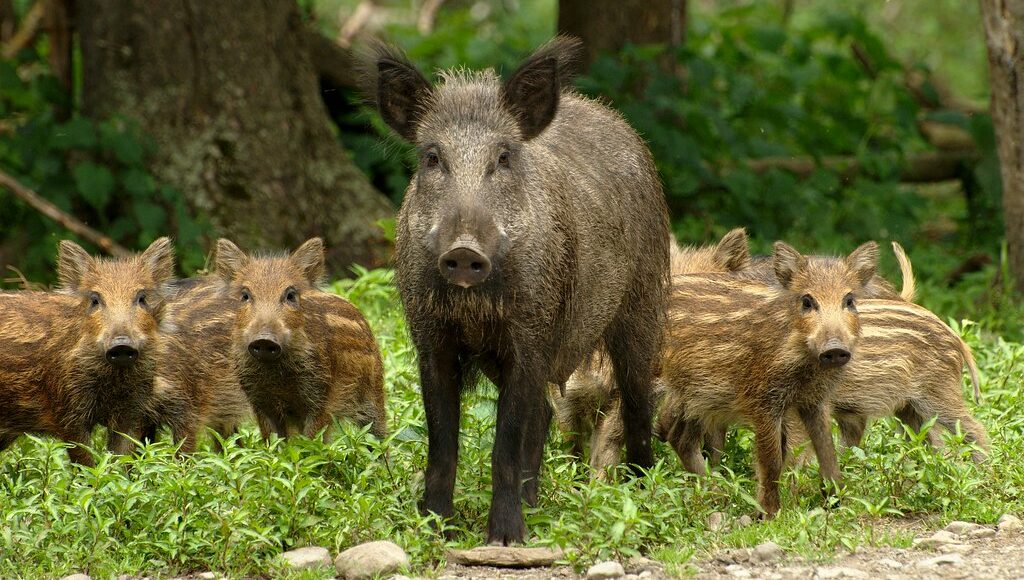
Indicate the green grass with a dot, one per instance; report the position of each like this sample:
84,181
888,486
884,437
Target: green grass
233,512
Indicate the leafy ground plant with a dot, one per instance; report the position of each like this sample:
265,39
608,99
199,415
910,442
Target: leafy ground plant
235,511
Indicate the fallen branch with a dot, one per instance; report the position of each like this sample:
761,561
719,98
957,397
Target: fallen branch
67,221
930,167
29,28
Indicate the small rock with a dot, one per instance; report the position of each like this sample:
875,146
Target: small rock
77,577
506,557
766,552
840,572
1008,523
935,540
737,571
890,563
961,549
733,556
631,577
960,528
716,521
207,576
307,558
605,571
369,560
943,560
981,533
638,564
743,522
645,575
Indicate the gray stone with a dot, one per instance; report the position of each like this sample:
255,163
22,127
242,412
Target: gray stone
631,577
766,552
77,577
962,549
981,533
638,564
369,560
716,521
506,557
935,540
943,560
307,558
207,576
890,563
743,522
605,571
733,556
737,571
960,528
1008,523
645,575
840,572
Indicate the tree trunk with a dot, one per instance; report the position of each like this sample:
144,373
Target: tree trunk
1004,30
607,25
229,93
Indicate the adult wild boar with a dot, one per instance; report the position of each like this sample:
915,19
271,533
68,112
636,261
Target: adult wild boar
534,229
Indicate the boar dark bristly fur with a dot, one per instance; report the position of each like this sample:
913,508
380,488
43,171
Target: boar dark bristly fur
83,356
302,356
534,229
741,351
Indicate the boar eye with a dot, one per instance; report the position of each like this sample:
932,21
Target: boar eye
504,158
807,303
140,299
94,300
848,302
291,295
245,295
431,159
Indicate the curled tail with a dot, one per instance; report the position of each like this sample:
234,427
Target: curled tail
972,369
907,272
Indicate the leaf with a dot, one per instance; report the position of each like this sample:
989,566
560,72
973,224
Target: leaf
94,182
137,183
78,133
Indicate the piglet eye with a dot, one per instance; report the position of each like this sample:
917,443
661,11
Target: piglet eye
245,295
140,299
504,158
431,159
806,302
94,300
291,296
848,301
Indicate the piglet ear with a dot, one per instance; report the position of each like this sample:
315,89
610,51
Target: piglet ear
309,259
400,91
159,259
73,262
863,262
786,262
733,250
230,260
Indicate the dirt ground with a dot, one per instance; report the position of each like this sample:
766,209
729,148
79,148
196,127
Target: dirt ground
974,552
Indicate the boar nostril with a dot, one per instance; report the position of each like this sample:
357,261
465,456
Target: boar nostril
265,349
465,264
122,353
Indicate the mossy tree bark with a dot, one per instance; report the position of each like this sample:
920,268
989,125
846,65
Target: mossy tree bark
607,25
1004,31
229,92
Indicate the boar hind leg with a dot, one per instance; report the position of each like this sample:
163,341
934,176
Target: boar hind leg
973,432
539,424
686,437
318,423
714,445
606,443
441,382
851,428
120,433
769,455
633,347
816,421
77,452
909,415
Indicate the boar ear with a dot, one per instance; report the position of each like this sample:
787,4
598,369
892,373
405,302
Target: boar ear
159,259
733,250
229,259
309,258
72,264
863,262
533,91
787,262
398,89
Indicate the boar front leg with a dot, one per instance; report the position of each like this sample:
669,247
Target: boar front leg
441,383
120,432
816,421
768,446
534,438
80,437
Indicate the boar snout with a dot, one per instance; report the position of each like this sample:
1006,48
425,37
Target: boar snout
265,348
464,264
835,354
122,351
